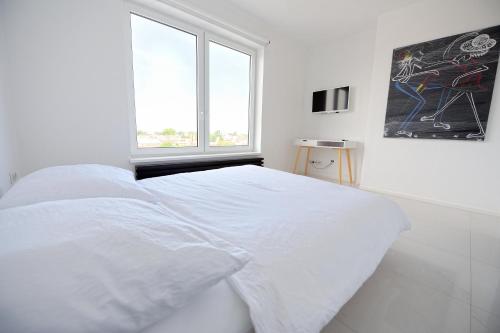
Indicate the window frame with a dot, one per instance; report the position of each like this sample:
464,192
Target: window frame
210,37
203,37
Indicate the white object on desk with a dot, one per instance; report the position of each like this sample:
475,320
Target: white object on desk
325,144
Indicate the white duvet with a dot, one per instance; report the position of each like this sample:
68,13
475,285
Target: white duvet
313,243
102,265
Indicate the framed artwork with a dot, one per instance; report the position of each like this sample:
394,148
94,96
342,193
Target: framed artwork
442,89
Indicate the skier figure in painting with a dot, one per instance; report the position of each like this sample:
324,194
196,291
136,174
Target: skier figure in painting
410,65
469,51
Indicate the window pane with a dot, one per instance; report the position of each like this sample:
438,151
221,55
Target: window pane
165,85
229,75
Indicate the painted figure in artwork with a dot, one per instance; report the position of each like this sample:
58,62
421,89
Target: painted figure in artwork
466,83
443,88
412,66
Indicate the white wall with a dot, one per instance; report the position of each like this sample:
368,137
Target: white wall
69,95
347,61
67,88
456,172
451,172
282,101
6,134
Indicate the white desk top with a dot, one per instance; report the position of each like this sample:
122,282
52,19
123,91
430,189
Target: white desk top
329,144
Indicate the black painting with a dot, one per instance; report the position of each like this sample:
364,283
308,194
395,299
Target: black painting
442,89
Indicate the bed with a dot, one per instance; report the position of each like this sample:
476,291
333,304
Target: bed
313,243
298,248
217,310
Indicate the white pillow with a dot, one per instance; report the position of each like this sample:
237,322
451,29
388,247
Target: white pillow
102,265
74,182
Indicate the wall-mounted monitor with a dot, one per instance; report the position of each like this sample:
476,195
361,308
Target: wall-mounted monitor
331,100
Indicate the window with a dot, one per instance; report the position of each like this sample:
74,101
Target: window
193,91
229,74
164,60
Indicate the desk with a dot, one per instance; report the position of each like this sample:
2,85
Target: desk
339,162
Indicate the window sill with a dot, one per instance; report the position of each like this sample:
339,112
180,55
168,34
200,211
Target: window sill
184,158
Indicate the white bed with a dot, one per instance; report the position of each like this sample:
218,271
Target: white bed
218,310
220,251
313,245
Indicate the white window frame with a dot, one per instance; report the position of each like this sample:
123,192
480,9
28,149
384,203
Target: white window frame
210,37
204,37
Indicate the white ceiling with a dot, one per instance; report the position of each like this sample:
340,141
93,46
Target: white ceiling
315,20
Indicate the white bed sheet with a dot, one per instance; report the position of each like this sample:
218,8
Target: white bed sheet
312,243
217,310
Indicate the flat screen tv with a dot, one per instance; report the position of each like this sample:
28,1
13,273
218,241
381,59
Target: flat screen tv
331,100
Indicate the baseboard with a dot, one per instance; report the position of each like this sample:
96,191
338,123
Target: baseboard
430,200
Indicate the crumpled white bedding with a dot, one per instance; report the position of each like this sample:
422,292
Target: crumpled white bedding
217,310
313,243
103,265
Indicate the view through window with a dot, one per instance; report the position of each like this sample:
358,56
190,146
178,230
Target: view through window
229,96
165,85
168,74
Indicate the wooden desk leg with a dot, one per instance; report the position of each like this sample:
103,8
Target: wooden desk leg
348,155
297,157
340,166
307,160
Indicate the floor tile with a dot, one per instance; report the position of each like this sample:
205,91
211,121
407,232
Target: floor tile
486,248
442,276
441,227
426,266
439,236
392,303
336,326
486,224
484,322
428,213
485,287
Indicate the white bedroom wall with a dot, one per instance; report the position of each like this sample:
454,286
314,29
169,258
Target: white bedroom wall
282,102
69,94
347,61
67,88
453,172
6,134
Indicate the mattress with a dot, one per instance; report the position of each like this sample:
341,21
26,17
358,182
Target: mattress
217,310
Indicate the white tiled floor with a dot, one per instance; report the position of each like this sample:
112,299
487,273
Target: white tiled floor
442,276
